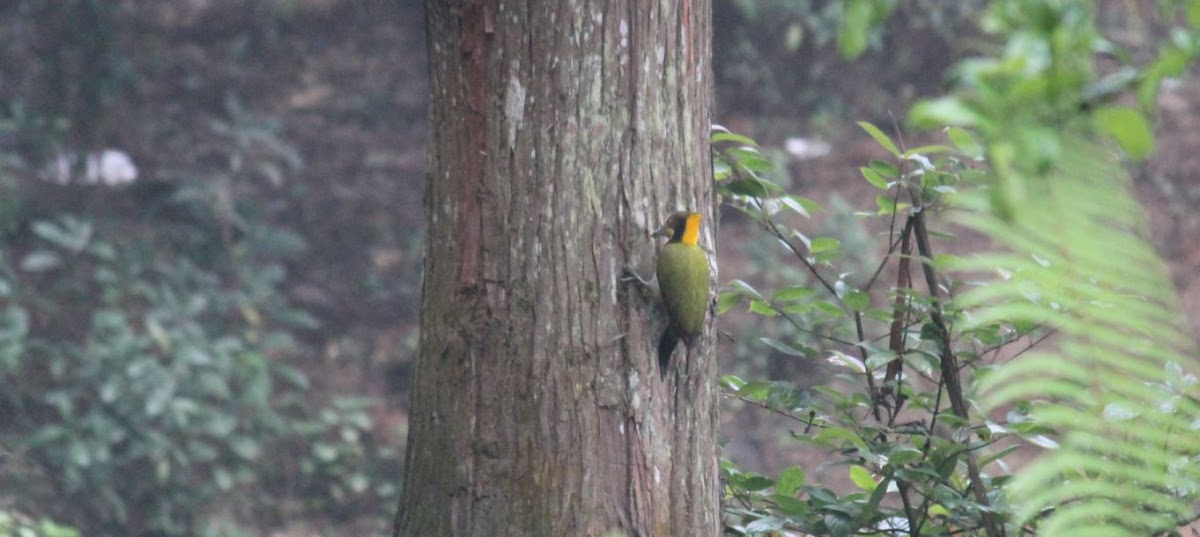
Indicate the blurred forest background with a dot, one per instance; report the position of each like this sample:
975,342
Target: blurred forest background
220,343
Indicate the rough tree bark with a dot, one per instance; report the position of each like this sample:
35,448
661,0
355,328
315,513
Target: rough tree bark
563,134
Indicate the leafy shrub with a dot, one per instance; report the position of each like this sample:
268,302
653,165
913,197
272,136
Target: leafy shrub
148,348
142,380
890,350
13,524
146,359
930,403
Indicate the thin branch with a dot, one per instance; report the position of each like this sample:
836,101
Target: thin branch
808,331
949,363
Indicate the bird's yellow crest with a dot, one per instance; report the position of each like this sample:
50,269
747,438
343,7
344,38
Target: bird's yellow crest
681,227
691,229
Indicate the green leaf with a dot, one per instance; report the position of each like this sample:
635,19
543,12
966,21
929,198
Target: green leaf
796,204
828,308
824,244
732,382
862,478
293,376
857,300
721,169
1171,62
764,525
246,447
800,236
808,205
886,204
886,169
901,455
965,142
790,480
756,482
788,294
925,150
796,308
14,330
837,437
839,524
881,489
755,391
727,136
783,347
790,506
751,159
68,233
879,358
983,461
855,29
874,178
223,479
325,452
761,307
922,360
1128,127
726,300
943,261
821,497
942,112
41,261
882,139
745,289
756,188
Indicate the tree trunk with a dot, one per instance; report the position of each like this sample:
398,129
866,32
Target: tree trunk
563,134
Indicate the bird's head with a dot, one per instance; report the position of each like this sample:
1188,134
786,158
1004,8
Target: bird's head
683,226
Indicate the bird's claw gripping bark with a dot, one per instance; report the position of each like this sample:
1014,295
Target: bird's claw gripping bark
628,274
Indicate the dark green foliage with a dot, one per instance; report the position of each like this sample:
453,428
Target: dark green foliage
146,353
143,390
926,460
1119,383
15,524
1032,163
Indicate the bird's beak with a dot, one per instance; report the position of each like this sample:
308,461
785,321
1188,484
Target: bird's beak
664,231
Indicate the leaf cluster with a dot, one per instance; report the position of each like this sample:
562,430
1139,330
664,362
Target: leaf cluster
148,360
16,524
913,475
1072,333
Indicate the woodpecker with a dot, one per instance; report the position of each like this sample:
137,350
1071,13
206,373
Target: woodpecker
683,280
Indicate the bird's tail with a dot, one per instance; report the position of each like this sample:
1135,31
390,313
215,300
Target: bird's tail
666,346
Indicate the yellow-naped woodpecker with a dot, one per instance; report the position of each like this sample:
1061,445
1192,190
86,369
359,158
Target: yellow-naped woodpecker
683,280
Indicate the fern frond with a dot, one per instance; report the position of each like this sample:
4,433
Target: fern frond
1117,384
